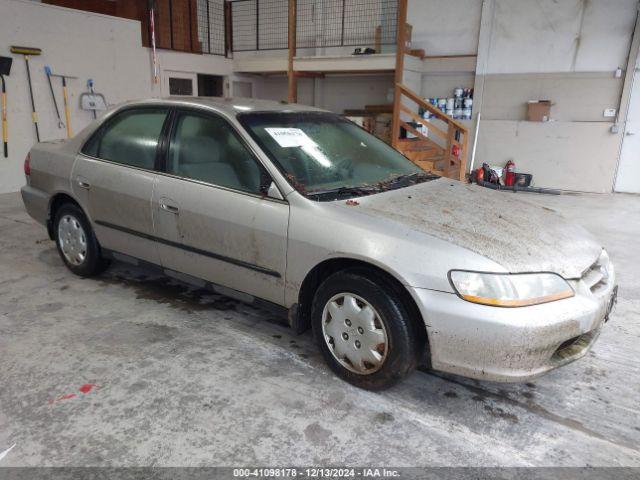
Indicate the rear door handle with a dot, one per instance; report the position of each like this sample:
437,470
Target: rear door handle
169,208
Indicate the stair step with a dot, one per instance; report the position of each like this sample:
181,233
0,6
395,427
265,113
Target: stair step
416,144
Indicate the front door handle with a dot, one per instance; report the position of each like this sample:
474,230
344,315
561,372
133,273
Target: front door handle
82,183
169,208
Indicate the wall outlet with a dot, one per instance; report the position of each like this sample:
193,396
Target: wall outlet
609,112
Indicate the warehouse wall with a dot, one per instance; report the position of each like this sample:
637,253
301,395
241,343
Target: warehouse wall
335,93
565,51
445,27
104,54
87,45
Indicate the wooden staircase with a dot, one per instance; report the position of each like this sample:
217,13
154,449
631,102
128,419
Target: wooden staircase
442,148
424,153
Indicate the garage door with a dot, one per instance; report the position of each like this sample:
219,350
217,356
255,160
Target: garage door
628,178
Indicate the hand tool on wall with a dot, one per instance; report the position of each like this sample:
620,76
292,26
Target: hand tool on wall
92,101
29,52
67,111
47,71
5,68
65,98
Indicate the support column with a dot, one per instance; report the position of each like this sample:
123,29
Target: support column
401,40
293,81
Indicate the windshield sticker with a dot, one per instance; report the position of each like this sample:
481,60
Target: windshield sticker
290,137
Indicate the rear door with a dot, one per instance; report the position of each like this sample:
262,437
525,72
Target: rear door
212,219
114,177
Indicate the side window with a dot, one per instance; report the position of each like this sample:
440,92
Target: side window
206,148
131,138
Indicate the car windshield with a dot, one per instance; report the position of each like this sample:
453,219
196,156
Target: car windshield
327,157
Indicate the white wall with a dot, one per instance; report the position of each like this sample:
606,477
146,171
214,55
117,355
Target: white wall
76,44
565,51
445,27
87,45
561,35
336,92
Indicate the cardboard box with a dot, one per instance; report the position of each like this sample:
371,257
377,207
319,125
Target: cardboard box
539,110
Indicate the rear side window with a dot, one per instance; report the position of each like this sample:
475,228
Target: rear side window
131,138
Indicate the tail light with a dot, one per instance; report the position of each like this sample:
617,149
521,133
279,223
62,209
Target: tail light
27,165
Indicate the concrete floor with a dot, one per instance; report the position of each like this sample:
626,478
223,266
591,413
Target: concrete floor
188,378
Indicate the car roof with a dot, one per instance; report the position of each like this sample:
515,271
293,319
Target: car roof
228,105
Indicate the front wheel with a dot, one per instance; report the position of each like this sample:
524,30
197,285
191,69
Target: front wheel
76,242
363,330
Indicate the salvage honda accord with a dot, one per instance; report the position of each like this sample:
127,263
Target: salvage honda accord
300,209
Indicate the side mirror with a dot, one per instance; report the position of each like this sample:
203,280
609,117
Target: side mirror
273,192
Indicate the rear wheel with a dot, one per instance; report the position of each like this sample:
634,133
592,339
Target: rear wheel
76,242
363,330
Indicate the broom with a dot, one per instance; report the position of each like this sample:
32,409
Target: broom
29,52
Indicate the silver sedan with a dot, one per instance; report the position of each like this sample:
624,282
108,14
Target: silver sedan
300,210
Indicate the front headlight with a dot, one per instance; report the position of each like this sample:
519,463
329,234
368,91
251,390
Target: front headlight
510,290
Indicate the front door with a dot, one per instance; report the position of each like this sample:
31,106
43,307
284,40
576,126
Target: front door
628,177
114,177
211,218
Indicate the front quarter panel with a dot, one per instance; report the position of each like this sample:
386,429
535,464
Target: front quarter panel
319,231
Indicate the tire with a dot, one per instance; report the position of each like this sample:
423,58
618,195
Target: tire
348,350
76,242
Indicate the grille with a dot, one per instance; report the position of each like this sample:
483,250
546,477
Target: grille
597,275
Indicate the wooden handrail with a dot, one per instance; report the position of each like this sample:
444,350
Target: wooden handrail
455,134
417,118
432,109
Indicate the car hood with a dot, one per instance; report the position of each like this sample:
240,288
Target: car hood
520,236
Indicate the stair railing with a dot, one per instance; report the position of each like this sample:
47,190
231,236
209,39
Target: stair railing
452,137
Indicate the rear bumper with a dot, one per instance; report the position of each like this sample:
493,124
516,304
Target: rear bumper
511,344
36,203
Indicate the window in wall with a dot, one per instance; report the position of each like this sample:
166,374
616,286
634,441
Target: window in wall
210,85
180,86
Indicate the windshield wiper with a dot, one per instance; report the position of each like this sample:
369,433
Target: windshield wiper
395,182
341,192
417,176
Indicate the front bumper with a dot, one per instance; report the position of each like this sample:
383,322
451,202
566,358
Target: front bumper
512,344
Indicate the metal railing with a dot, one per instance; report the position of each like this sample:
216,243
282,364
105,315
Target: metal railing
196,26
211,26
263,24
